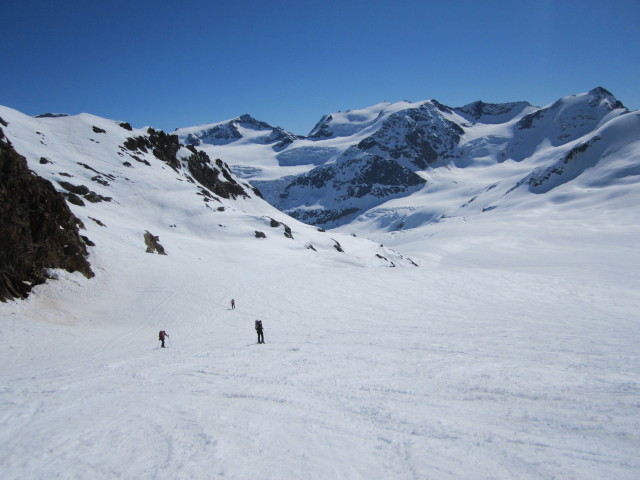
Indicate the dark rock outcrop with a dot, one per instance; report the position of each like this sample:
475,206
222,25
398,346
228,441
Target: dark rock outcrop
52,115
492,112
76,190
163,146
215,176
273,223
153,243
217,179
322,129
38,231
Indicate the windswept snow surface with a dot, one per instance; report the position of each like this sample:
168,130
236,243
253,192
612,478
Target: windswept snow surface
513,351
520,360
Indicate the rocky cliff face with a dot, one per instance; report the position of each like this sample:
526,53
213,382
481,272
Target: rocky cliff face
416,137
38,231
354,183
490,112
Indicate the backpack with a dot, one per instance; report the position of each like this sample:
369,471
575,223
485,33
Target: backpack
161,335
258,324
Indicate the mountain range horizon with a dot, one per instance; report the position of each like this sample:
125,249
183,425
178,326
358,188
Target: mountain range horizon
400,146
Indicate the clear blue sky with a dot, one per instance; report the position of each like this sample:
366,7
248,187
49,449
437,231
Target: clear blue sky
171,64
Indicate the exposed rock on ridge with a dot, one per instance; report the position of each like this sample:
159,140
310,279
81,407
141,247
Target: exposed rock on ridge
215,177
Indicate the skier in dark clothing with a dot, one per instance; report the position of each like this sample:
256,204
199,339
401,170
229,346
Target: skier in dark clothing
161,337
259,330
233,304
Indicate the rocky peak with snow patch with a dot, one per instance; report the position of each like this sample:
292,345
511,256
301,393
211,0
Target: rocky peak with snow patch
332,194
492,112
564,121
244,127
415,137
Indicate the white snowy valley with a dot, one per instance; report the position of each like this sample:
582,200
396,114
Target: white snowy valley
500,345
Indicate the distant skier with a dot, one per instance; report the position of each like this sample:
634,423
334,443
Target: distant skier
259,330
233,304
161,337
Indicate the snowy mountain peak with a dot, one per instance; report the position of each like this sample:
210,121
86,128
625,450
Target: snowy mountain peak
242,129
599,102
564,121
348,123
601,95
493,113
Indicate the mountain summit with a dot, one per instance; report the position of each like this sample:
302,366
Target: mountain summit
244,128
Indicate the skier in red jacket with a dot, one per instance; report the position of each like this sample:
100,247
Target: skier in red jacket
161,336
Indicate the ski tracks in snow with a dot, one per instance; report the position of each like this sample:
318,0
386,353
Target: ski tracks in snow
447,374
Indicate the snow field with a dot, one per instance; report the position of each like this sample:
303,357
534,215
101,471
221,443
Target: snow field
443,371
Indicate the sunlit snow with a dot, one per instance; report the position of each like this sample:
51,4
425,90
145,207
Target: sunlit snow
511,351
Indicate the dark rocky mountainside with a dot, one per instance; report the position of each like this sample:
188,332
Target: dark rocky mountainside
416,137
38,231
355,181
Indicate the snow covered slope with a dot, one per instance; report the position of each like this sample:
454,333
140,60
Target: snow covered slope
123,182
408,163
512,352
